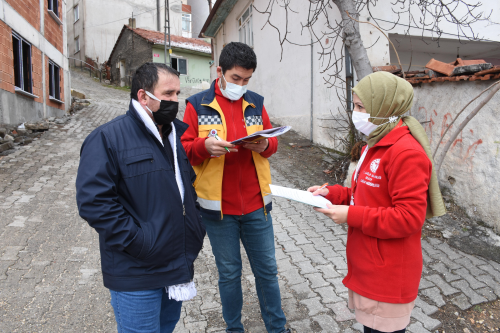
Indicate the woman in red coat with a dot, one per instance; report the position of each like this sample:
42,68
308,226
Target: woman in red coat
394,188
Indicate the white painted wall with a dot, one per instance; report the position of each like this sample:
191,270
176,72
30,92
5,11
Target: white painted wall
103,21
286,84
471,169
199,14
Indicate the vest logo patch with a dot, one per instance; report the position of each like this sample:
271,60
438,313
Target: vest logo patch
253,120
209,120
374,165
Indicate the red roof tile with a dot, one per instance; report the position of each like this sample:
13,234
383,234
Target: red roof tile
176,41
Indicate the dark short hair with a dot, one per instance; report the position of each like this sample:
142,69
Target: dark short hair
146,77
237,54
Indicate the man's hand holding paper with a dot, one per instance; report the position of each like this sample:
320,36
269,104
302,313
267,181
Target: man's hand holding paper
257,147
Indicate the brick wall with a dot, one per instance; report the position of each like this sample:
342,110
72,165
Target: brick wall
61,84
53,32
6,58
29,9
37,75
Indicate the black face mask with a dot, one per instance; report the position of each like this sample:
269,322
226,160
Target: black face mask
166,113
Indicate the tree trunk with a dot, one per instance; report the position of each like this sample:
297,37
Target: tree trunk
352,38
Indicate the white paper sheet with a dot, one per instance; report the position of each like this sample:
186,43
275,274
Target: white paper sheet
300,196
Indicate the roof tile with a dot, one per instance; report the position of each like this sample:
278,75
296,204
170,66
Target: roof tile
158,37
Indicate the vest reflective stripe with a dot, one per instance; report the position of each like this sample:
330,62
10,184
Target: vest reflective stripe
209,204
268,199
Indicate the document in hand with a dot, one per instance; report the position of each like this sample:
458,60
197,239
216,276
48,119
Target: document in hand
260,135
300,196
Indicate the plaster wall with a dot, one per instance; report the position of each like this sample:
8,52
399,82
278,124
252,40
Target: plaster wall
471,168
199,14
284,79
379,51
103,21
17,109
198,73
75,29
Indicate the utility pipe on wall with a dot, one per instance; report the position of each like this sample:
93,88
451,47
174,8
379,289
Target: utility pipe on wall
167,21
158,26
312,90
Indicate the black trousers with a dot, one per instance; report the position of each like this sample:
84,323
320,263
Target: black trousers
370,330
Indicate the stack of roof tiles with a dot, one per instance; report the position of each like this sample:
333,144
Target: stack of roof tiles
438,71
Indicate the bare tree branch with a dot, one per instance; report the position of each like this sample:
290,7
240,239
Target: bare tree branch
494,88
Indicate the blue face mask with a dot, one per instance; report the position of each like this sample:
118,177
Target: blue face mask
233,91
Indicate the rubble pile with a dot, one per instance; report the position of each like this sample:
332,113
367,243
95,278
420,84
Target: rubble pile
78,103
438,71
24,134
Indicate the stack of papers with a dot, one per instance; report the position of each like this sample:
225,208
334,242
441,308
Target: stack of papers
260,135
300,196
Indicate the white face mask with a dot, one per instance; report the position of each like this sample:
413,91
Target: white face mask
232,91
360,121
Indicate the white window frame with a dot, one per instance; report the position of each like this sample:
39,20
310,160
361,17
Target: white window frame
187,65
76,13
187,33
77,44
245,27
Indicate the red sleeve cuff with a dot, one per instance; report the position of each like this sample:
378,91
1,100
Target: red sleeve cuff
355,216
271,148
200,149
338,195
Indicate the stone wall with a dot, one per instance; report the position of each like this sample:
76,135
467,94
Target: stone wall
134,50
471,170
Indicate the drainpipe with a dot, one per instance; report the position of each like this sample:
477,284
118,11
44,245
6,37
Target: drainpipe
312,91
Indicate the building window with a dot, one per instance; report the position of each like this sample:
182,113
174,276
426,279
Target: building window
54,6
180,65
22,63
77,44
245,27
54,81
186,25
76,12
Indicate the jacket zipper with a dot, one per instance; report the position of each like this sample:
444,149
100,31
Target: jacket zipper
239,164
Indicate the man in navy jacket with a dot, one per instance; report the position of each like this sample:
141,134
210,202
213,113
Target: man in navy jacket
134,187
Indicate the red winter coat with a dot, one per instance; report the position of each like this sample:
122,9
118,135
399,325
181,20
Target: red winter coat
241,193
384,254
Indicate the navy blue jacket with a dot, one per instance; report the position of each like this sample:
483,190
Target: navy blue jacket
126,190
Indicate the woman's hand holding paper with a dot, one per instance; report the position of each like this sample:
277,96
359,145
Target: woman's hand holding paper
314,190
338,213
